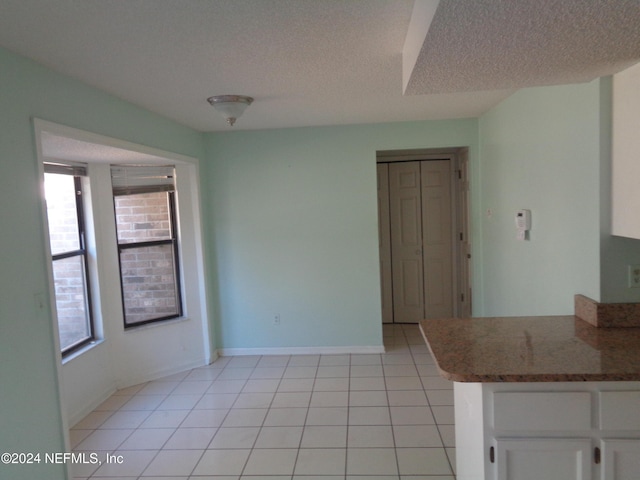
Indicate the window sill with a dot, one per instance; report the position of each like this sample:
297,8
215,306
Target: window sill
81,351
161,323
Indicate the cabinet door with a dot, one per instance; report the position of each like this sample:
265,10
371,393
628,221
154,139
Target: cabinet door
618,410
543,458
621,459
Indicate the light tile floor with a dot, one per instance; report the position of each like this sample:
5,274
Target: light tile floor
302,417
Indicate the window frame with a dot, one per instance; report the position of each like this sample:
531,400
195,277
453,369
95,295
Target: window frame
173,241
77,173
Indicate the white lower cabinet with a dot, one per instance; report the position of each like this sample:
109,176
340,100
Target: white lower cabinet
620,459
548,431
543,458
541,423
566,458
619,414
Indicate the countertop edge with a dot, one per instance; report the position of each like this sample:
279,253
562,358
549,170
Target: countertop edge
535,378
454,377
464,377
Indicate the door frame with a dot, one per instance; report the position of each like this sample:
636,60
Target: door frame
460,225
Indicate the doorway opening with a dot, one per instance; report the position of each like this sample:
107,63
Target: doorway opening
425,249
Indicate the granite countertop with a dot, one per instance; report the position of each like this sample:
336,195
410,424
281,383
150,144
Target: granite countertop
532,349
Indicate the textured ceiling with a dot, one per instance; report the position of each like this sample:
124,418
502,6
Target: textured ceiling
488,44
321,62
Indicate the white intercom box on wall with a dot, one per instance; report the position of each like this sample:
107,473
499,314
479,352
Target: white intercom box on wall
523,223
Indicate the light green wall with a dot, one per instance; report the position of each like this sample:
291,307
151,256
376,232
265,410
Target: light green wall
540,150
293,222
295,209
30,420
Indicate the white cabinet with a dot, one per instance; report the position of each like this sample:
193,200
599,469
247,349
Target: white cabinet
532,417
550,431
548,459
625,146
620,459
619,410
541,411
619,413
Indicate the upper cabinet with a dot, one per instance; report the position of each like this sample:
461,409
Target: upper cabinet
626,153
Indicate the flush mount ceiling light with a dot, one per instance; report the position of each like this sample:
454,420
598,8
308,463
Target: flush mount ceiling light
230,106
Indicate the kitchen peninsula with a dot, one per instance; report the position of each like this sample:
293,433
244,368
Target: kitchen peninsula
552,398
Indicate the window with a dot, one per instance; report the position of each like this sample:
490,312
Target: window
67,238
145,210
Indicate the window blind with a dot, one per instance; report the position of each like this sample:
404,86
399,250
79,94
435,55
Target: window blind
132,179
75,169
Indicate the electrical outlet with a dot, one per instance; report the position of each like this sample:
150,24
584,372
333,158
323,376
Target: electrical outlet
276,319
634,276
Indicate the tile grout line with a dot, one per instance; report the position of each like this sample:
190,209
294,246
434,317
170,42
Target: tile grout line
346,440
195,466
183,420
393,435
259,430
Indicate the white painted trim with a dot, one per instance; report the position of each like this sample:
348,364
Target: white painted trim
75,417
87,409
90,137
39,296
372,349
215,355
160,374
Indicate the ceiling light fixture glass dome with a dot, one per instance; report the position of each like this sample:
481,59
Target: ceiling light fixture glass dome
230,106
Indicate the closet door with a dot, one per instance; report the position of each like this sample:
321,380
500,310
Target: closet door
463,251
436,238
406,242
384,236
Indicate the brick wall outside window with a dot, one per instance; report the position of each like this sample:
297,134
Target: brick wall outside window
68,273
148,273
68,277
143,217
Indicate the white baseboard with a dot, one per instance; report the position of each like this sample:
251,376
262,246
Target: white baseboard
227,352
75,417
158,374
